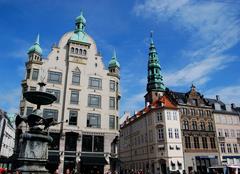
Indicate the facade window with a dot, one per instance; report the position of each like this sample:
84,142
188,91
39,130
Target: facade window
185,125
187,142
204,142
76,50
95,83
223,149
112,86
54,77
220,132
238,133
54,145
35,74
111,122
98,145
112,102
229,148
72,50
159,116
235,148
94,101
226,132
210,126
93,120
232,133
73,114
29,110
76,78
170,133
117,126
160,134
212,141
84,52
74,97
196,142
50,113
28,73
71,141
169,115
176,133
55,92
202,125
32,88
174,115
87,143
194,125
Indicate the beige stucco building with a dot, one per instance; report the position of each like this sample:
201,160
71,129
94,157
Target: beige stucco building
227,125
87,96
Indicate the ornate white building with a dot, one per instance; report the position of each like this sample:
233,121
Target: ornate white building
87,96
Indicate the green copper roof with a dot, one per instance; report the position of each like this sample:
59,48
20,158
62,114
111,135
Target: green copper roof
113,62
36,47
155,79
79,33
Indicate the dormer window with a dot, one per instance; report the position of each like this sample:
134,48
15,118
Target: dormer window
76,50
84,52
72,50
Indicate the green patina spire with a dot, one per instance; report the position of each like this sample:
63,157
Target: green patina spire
36,47
113,62
155,79
79,33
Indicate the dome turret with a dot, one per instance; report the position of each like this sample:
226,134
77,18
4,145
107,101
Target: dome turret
113,62
36,47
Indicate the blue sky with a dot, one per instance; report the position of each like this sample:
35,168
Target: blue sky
197,42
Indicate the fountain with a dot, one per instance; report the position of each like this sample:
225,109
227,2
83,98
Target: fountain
33,144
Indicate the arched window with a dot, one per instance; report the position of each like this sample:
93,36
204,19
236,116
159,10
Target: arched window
185,125
202,125
80,51
76,50
84,52
194,125
72,50
210,126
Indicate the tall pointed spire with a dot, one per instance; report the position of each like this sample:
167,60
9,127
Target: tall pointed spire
113,62
155,79
36,47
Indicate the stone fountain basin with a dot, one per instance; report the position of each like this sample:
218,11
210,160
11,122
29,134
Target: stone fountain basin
39,97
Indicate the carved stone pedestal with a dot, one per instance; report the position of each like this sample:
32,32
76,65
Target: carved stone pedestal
33,153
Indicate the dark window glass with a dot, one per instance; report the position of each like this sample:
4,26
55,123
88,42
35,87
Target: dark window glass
94,120
94,101
98,144
50,113
204,142
210,126
54,77
187,142
194,125
76,78
71,141
112,102
95,83
29,110
196,142
73,117
112,85
87,143
54,145
202,125
185,125
74,97
28,73
117,123
55,92
212,141
35,74
111,122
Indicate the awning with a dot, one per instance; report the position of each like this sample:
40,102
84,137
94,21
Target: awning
93,160
231,157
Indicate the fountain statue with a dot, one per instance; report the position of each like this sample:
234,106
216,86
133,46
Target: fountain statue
33,144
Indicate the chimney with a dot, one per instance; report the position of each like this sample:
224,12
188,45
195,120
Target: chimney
233,105
217,97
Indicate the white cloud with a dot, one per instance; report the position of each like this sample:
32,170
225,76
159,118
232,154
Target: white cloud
9,100
197,72
229,94
134,102
213,27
